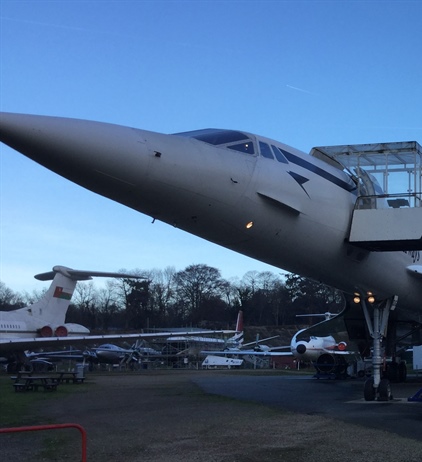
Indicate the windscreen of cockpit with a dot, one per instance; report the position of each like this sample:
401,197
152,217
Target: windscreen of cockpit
229,139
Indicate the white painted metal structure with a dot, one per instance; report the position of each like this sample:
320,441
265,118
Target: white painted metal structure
388,212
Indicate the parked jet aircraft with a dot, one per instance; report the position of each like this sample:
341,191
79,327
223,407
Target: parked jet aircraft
253,195
106,353
46,318
232,342
44,322
258,355
327,355
236,347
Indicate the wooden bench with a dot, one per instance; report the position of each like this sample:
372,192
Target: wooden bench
50,386
69,377
19,386
32,383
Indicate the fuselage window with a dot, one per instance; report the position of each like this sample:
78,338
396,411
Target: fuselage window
279,155
265,150
246,147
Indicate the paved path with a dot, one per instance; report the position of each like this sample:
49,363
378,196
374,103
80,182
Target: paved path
341,399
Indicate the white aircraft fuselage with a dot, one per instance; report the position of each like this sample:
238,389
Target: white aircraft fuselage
293,212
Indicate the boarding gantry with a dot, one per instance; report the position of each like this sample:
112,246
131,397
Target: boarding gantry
387,217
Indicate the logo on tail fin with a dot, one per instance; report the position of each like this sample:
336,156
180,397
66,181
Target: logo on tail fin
60,293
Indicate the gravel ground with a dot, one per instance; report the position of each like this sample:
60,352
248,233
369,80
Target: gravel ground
163,416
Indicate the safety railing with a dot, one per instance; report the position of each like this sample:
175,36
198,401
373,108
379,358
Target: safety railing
34,428
394,201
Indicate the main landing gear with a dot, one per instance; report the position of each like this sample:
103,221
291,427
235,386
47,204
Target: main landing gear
376,387
381,393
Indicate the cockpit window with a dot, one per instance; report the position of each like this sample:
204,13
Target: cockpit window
243,147
279,155
215,137
229,138
265,150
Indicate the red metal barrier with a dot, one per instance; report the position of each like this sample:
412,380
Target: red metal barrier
35,428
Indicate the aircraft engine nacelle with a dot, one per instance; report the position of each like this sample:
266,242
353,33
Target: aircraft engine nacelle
75,329
330,364
325,363
342,346
46,331
61,331
301,348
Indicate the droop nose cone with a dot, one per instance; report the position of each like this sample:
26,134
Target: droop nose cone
105,158
55,141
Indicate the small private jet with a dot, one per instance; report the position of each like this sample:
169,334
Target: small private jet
329,356
231,342
349,216
236,348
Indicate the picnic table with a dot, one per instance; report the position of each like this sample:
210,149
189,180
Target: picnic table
68,377
29,382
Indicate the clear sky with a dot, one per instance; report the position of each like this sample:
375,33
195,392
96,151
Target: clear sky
306,73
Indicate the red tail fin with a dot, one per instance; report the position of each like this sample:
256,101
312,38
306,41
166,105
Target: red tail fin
239,324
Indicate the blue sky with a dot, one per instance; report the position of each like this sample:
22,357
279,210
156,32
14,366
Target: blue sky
306,73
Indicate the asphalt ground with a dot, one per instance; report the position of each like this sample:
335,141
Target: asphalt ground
184,415
338,399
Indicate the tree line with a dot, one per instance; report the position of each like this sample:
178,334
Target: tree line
196,296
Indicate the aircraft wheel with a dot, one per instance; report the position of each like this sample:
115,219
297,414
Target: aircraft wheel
393,372
384,391
402,371
369,390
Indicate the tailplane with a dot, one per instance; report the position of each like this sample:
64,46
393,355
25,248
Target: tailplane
49,313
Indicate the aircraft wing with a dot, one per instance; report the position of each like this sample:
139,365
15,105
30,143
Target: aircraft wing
266,353
246,352
20,344
415,270
339,353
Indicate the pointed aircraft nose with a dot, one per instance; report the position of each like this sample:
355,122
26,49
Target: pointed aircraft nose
57,142
98,156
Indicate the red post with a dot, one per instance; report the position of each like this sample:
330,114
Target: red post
51,427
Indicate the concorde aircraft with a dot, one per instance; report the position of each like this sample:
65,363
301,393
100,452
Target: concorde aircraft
43,324
264,199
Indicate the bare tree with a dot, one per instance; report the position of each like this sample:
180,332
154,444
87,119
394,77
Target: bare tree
195,286
162,293
8,299
85,299
108,304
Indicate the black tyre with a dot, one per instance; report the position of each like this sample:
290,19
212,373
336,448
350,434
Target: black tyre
369,390
384,390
